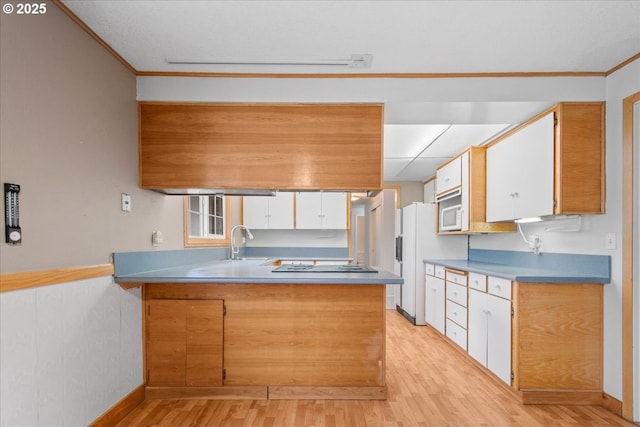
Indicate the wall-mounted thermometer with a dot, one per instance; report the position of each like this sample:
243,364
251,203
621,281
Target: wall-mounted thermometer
12,231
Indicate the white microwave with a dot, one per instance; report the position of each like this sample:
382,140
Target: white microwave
451,218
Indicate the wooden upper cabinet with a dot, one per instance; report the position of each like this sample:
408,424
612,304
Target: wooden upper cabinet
260,146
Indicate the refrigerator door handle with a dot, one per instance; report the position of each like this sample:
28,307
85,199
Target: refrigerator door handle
399,248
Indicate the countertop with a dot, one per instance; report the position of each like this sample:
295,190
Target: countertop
521,273
252,271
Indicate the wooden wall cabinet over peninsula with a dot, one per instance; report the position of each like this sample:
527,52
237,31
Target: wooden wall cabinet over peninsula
462,181
260,146
550,165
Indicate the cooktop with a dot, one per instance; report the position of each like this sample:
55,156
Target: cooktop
308,268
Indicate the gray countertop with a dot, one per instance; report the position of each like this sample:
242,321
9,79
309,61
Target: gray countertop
521,273
251,271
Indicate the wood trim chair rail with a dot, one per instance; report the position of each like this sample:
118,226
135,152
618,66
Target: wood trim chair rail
15,281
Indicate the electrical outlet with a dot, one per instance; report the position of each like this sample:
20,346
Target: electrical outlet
126,202
535,243
610,241
157,238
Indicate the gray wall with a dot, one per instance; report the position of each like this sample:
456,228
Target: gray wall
69,138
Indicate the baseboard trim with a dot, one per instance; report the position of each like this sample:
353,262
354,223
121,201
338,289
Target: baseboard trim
561,397
209,393
611,404
121,409
327,393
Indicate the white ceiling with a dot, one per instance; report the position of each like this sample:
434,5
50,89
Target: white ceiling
402,36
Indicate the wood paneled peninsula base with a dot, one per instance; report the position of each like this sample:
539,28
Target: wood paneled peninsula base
259,341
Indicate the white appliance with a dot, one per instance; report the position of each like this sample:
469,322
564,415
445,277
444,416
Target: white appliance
451,218
420,241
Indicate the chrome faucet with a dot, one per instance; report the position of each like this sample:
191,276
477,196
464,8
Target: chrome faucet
235,251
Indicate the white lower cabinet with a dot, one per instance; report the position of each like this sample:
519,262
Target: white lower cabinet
434,302
489,332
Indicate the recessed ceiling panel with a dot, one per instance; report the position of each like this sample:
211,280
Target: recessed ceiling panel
409,140
458,137
393,167
420,169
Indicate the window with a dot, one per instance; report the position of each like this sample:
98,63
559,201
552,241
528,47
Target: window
205,221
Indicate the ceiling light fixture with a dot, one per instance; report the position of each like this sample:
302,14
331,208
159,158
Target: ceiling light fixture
356,61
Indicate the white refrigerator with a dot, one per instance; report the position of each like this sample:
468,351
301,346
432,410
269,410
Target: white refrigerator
420,241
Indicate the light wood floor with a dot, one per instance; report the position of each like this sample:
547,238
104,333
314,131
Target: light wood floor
430,384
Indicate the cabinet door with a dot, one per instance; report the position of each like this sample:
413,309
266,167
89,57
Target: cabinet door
166,349
477,329
334,211
500,171
204,343
255,212
308,210
321,210
435,303
520,173
534,180
281,211
448,177
499,337
184,342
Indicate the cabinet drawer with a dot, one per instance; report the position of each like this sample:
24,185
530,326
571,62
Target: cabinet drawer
457,293
457,333
460,279
500,287
478,281
457,313
429,269
439,271
449,176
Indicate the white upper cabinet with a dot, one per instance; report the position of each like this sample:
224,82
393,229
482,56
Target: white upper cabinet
448,178
520,173
321,210
552,164
263,212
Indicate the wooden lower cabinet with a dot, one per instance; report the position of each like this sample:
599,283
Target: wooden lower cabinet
543,340
289,340
557,334
184,342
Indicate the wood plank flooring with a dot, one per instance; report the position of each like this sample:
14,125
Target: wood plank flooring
430,384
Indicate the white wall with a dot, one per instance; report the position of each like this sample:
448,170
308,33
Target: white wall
69,352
